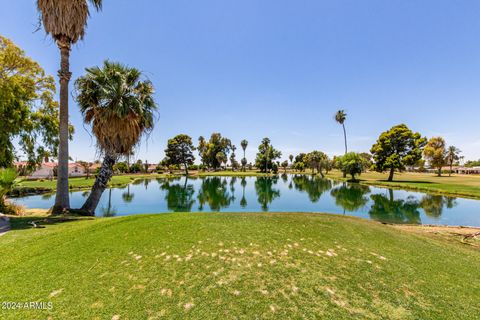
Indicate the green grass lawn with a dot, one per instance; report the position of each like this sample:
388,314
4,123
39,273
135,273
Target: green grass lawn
236,265
456,185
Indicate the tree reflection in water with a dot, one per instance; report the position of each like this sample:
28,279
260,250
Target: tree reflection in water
387,209
265,191
215,193
128,196
109,211
179,196
243,201
351,197
314,186
433,205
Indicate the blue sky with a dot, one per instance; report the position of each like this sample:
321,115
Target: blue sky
256,68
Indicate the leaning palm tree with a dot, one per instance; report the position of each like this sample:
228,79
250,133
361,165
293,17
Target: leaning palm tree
65,21
119,106
340,117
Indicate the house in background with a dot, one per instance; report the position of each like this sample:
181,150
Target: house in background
47,170
457,170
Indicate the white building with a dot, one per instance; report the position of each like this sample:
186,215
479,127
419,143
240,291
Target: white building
47,170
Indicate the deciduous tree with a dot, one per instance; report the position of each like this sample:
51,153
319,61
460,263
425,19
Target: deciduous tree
28,111
436,153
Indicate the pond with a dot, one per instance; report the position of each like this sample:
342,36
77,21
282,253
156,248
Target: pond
285,193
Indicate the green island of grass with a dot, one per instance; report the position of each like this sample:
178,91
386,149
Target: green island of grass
230,265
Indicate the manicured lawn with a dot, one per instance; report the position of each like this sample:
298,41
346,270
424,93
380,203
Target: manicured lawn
456,185
237,265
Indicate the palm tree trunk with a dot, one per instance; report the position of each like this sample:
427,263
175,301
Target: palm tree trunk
62,201
101,182
346,147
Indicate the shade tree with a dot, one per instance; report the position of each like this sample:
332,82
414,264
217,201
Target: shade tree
435,153
179,151
397,148
208,150
28,111
266,156
352,164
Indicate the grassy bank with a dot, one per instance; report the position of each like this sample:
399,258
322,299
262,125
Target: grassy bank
204,266
457,185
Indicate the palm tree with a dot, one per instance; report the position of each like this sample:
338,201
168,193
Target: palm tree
340,117
453,154
65,21
291,158
244,144
120,108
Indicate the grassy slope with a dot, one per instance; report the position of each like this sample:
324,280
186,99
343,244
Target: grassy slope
457,185
204,266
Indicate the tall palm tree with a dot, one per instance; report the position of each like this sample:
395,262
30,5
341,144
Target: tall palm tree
244,144
340,117
119,106
65,21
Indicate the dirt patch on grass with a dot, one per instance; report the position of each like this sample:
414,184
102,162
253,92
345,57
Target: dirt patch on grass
466,235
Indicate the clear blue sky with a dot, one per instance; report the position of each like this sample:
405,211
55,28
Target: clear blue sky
277,68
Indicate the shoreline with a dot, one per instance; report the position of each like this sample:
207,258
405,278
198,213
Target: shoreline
28,191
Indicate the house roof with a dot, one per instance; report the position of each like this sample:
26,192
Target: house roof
47,164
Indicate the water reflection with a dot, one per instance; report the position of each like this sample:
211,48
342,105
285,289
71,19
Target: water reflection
284,192
109,210
128,196
387,209
214,192
433,205
351,197
243,201
179,197
266,193
314,186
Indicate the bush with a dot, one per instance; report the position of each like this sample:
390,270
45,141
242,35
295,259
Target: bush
193,167
352,163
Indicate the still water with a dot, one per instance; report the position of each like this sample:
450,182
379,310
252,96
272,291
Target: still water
293,193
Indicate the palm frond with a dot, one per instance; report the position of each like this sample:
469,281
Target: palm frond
118,104
66,18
